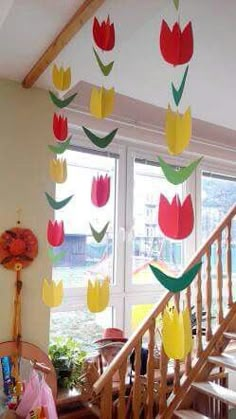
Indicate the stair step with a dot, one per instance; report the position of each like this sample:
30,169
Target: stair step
230,335
224,360
189,414
215,390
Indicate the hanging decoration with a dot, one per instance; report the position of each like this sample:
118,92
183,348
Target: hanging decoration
101,142
52,293
102,99
56,205
105,68
174,284
61,78
176,177
100,191
177,93
58,170
60,148
55,257
178,130
104,34
176,45
98,294
60,127
102,102
55,233
176,220
99,235
177,333
18,249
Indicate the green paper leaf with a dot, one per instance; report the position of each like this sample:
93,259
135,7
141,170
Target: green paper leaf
176,3
99,235
61,147
61,103
57,204
177,93
55,257
179,283
106,69
176,177
101,142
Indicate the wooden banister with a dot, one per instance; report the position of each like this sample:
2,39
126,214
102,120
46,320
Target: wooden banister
103,383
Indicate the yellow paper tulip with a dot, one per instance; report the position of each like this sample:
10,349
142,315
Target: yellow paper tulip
102,102
58,170
177,333
178,130
98,293
61,78
52,293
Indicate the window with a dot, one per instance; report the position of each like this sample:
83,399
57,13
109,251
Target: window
149,243
133,239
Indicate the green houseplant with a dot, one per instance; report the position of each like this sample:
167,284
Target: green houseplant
67,358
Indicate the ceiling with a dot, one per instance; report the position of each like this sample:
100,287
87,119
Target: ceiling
139,72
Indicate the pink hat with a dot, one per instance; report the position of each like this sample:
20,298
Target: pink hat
112,334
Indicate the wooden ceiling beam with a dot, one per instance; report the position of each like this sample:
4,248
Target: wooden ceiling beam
87,9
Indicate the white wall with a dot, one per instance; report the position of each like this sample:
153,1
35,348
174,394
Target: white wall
25,131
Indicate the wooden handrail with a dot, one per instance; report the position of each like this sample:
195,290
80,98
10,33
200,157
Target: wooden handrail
106,377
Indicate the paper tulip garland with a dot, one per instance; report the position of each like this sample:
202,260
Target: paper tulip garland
52,293
176,220
177,333
102,102
100,192
60,127
104,34
174,284
58,170
98,295
61,78
180,175
102,99
178,130
176,45
55,233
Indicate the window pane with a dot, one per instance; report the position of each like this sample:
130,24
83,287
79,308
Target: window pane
81,325
84,256
149,244
218,196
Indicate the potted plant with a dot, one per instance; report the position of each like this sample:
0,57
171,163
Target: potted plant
67,358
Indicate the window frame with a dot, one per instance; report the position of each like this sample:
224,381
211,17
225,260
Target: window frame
124,294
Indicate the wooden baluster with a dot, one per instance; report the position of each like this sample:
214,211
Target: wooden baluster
220,315
106,401
121,402
137,382
188,361
229,263
199,314
150,370
208,295
177,363
163,380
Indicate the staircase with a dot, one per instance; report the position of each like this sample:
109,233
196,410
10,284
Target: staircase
198,387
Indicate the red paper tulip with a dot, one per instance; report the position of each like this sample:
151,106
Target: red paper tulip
104,34
60,127
100,192
175,220
55,233
176,46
